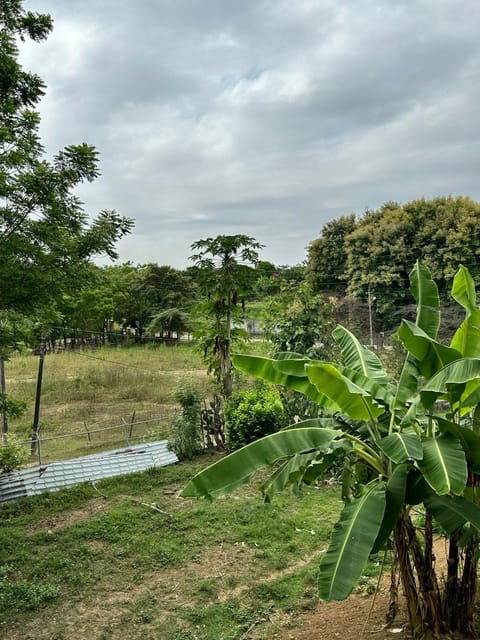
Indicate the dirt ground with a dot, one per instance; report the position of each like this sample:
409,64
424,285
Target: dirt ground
351,619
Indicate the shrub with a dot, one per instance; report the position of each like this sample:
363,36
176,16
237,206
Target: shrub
185,438
251,414
12,455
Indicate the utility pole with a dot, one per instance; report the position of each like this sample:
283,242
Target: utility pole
370,318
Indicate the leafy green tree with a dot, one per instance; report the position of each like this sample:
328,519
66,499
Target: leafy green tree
297,320
45,236
404,452
327,256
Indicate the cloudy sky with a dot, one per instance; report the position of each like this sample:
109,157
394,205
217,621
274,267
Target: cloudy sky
263,117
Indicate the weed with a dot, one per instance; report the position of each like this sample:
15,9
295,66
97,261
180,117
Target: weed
24,596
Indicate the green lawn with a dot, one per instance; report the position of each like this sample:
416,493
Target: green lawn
131,559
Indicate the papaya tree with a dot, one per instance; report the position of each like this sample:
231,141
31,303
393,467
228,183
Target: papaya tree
414,445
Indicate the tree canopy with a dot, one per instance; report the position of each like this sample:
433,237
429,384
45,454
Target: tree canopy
46,237
374,252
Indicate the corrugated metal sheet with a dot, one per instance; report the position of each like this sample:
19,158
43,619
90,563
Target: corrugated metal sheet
58,475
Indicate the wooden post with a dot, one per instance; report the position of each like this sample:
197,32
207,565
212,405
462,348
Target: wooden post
3,388
36,415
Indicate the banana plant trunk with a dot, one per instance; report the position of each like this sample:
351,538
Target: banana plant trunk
435,610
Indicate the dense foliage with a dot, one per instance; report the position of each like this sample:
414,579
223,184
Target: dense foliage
403,444
46,238
374,253
251,414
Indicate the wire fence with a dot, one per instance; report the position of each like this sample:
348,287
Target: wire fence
45,448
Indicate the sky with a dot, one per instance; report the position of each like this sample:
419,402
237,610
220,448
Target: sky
260,117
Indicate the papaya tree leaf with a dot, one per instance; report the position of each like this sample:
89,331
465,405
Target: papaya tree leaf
352,540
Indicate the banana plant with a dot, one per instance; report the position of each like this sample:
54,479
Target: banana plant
413,454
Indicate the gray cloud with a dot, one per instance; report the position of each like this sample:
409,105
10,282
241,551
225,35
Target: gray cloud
266,118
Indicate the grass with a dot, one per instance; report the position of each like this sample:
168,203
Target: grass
144,563
87,391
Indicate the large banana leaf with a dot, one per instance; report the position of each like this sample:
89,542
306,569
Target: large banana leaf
463,290
400,447
431,355
395,499
236,469
348,397
289,472
425,292
267,369
352,541
358,357
382,392
469,440
443,464
293,364
426,295
451,380
453,512
466,339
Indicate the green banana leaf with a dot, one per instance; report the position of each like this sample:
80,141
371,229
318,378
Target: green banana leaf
469,440
358,357
431,355
395,499
400,447
463,290
323,422
453,512
289,472
291,364
337,451
352,541
267,369
417,489
450,380
382,392
348,397
443,465
237,468
466,339
425,292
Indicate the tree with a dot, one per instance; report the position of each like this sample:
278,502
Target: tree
403,449
225,274
327,256
297,320
45,236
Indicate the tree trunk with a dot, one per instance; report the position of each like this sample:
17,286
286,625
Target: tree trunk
3,389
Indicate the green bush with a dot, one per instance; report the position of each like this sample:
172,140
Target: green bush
12,455
185,438
251,414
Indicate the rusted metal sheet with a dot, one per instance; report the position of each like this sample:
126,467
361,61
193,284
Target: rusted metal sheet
58,475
